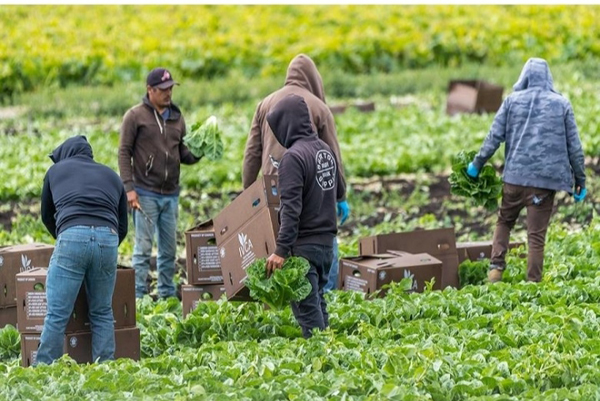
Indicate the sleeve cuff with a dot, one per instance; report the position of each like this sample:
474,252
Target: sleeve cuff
282,251
128,186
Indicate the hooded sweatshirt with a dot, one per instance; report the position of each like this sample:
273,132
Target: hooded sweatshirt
79,191
537,124
263,151
309,179
151,149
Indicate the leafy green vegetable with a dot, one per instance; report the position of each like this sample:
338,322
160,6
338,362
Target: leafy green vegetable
10,343
473,272
205,140
483,190
284,286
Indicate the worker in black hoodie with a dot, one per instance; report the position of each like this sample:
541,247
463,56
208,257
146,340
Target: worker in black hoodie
309,185
84,206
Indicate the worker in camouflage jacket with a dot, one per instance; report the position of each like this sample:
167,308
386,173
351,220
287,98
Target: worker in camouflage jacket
543,154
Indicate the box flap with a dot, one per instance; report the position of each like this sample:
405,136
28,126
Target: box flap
204,226
24,247
262,194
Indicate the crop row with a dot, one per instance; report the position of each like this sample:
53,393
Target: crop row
419,137
42,45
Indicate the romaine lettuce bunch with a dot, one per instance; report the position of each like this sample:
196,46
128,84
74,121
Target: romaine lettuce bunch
204,139
288,284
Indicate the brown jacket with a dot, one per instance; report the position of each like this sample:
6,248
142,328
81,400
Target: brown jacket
262,149
156,147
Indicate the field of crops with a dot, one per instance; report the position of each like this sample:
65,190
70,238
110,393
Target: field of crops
509,341
61,45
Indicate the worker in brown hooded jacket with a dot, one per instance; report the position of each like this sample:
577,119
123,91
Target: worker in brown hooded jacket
263,151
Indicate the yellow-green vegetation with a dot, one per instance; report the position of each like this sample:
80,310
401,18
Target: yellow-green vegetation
60,45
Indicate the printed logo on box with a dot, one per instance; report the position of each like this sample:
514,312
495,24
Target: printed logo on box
73,342
246,250
408,274
1,261
245,244
25,263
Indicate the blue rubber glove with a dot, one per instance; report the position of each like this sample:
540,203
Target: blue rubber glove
343,211
580,196
472,171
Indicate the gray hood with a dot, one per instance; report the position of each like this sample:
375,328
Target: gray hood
535,74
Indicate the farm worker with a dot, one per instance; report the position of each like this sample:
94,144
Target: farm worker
263,152
84,206
543,155
150,153
309,184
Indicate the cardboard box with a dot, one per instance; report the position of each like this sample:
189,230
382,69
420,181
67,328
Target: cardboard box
254,240
8,316
191,295
369,273
440,243
32,304
473,96
16,259
338,108
202,256
123,300
258,196
478,250
365,107
79,346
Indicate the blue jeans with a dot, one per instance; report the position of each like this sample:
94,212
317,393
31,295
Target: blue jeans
161,218
85,255
332,282
311,312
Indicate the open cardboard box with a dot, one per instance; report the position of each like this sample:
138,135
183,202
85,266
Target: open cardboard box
191,295
369,273
439,243
478,250
473,96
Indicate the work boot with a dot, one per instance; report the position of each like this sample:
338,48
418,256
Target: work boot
495,274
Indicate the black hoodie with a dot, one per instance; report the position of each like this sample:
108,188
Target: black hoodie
79,191
309,179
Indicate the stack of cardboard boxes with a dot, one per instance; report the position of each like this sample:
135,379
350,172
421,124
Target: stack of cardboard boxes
423,255
219,251
13,260
246,230
32,308
203,265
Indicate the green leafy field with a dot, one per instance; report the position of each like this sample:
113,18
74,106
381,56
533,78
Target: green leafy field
510,341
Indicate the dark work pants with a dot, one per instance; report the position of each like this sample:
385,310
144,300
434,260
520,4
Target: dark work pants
539,203
312,311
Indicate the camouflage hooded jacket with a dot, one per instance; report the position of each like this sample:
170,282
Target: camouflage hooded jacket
537,124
